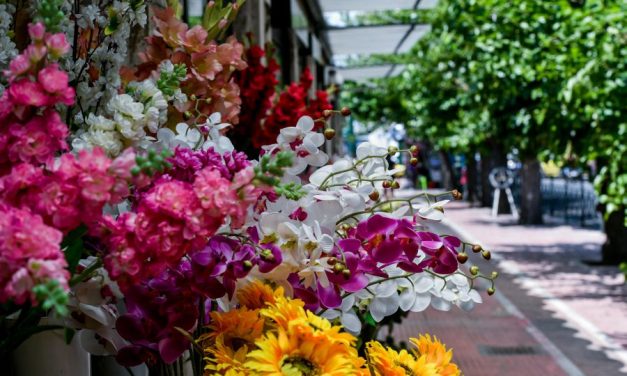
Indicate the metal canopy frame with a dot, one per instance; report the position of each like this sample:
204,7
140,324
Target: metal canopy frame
381,39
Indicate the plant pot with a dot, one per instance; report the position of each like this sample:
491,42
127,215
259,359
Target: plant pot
46,353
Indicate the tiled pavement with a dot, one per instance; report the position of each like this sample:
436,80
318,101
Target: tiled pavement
553,314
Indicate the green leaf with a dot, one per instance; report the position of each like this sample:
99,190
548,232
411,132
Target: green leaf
73,246
369,320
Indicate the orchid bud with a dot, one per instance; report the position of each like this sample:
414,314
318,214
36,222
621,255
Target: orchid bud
387,184
327,113
332,261
395,184
474,270
491,291
345,111
329,133
374,195
494,275
392,150
476,248
346,273
462,257
413,161
486,255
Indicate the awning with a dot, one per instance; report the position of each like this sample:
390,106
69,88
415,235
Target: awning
352,42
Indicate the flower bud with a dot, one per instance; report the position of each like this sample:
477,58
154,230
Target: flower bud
457,195
374,195
413,161
486,255
345,111
193,97
329,133
332,261
327,113
462,257
387,184
476,248
491,291
494,275
248,265
395,184
474,270
392,150
346,273
413,150
338,267
187,115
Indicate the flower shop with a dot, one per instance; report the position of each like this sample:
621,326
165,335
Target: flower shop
175,200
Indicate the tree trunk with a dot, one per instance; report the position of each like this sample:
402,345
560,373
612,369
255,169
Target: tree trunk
471,178
448,175
530,200
614,249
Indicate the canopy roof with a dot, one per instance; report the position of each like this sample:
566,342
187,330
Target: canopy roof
361,41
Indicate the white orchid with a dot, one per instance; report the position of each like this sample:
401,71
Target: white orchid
346,313
305,143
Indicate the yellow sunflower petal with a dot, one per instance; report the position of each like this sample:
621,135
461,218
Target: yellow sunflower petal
435,352
257,295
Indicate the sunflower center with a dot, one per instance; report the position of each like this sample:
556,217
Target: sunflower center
299,366
236,343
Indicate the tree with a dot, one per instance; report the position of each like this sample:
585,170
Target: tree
496,74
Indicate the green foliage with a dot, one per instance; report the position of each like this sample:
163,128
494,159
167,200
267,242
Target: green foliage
50,14
51,295
168,82
543,77
72,246
152,162
270,170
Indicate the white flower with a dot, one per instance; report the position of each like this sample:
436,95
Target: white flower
215,139
433,212
304,143
128,115
186,137
347,315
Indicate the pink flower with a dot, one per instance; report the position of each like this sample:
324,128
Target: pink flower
57,45
29,254
36,53
25,92
55,82
18,66
215,192
36,31
38,140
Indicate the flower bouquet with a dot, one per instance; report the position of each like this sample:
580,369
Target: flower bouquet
128,219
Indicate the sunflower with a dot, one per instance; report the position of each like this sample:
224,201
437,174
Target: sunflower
283,311
257,294
388,362
224,360
240,325
291,354
231,336
435,352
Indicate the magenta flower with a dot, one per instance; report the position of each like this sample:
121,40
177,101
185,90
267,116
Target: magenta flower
388,240
441,253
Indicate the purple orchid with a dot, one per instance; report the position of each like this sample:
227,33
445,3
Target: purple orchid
441,252
389,240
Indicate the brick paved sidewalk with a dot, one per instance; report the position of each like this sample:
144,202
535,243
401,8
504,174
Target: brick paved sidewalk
553,314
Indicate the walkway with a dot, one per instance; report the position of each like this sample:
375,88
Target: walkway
553,313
